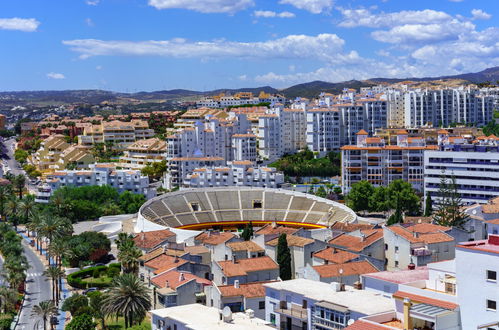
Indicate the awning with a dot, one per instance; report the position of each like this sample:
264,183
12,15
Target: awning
429,311
332,306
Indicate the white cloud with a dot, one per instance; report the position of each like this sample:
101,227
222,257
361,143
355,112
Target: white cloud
89,22
313,6
271,14
98,67
243,77
92,2
204,6
19,24
456,0
479,14
324,47
364,17
54,75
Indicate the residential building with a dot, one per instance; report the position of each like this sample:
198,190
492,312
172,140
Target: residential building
408,245
306,304
238,297
388,282
474,164
371,159
345,273
98,175
244,147
323,130
331,255
46,158
239,250
216,241
236,173
200,317
116,133
180,167
244,270
476,273
151,240
142,153
75,157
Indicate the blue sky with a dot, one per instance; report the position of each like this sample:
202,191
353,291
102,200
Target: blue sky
134,45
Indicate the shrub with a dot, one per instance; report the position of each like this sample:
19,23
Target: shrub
5,321
96,273
76,279
112,272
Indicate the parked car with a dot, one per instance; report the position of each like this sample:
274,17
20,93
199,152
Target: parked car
87,291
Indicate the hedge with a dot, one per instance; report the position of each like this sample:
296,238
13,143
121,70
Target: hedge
76,279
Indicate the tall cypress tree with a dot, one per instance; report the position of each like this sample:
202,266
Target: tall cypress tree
428,209
284,258
449,211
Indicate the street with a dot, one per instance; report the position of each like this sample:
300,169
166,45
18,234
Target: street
37,290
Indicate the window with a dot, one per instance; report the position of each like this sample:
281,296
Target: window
491,305
261,304
257,204
396,249
491,275
396,263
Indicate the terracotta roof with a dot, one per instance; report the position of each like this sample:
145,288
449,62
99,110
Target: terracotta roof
248,290
151,255
488,245
442,131
364,325
214,238
426,300
196,249
402,132
349,227
362,132
335,256
490,208
164,262
422,233
270,230
244,266
174,279
350,268
292,241
245,246
150,239
493,221
356,243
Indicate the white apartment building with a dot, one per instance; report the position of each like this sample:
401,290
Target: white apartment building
281,131
443,107
120,134
373,160
473,163
477,268
323,130
142,153
244,147
98,175
180,167
237,173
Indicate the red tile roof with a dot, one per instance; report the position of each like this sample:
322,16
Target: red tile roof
150,239
335,256
164,262
349,227
270,230
214,238
426,300
244,266
174,279
245,246
356,243
350,268
248,290
292,241
364,325
422,233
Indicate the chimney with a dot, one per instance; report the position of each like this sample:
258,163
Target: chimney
362,237
164,248
357,285
335,251
167,284
176,259
234,259
415,234
181,277
143,237
411,266
236,284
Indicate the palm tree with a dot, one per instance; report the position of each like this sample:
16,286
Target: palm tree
57,249
122,239
95,303
53,227
19,183
55,274
4,194
128,297
45,310
8,299
11,209
129,256
27,208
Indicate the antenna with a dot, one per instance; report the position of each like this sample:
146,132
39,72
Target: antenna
227,314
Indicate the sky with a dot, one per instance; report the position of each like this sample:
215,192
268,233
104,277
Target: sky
146,45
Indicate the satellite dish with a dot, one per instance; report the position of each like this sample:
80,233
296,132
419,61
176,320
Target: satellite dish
350,322
227,313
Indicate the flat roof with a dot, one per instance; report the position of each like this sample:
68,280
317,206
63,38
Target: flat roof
200,317
361,301
448,266
401,276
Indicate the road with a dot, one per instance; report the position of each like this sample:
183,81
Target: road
12,165
37,290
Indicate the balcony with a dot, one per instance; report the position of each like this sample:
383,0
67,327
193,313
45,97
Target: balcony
295,311
421,252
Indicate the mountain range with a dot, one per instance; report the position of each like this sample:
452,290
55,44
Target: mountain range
310,90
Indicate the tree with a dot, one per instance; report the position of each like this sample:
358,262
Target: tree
448,212
12,209
428,209
155,170
284,258
27,208
247,231
45,310
87,246
95,304
378,201
8,300
400,194
55,274
127,297
395,218
321,192
81,322
129,256
4,194
19,183
74,303
358,197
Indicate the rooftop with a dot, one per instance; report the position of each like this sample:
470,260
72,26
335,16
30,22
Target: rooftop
334,255
361,301
248,290
422,233
401,276
292,241
350,268
269,229
200,317
358,242
426,300
245,246
490,245
173,279
214,237
164,263
244,266
150,239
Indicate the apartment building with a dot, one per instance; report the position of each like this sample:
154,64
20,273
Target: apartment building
474,163
75,157
120,134
307,304
417,245
180,167
98,175
46,158
323,130
373,160
142,153
236,173
442,107
249,270
244,147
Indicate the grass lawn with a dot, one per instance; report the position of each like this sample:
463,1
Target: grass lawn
112,324
101,280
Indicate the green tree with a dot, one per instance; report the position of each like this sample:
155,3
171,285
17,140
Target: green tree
284,258
129,256
321,192
396,217
95,303
55,274
400,194
87,247
127,297
8,300
358,197
12,211
74,303
19,183
155,170
27,208
81,322
44,310
428,210
378,201
449,207
247,231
